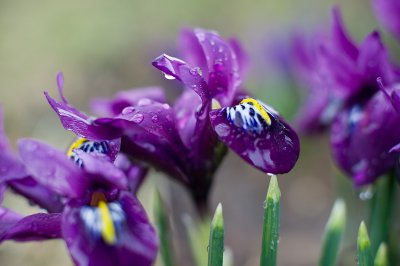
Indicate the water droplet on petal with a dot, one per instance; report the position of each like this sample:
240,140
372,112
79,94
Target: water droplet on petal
128,110
196,71
143,102
222,130
137,118
169,76
154,118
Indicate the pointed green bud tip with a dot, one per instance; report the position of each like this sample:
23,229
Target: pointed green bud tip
274,192
218,220
363,238
337,219
381,258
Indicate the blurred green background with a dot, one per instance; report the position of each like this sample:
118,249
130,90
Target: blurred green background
106,46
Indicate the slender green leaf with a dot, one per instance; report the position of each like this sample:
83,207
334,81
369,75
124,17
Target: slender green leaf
163,228
270,238
364,253
382,256
333,234
216,240
198,234
381,209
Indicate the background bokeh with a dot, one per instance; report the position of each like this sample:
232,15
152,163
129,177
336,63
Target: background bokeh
106,46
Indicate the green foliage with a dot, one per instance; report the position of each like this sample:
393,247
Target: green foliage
270,237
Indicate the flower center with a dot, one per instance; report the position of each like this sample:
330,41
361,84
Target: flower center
103,220
250,115
87,146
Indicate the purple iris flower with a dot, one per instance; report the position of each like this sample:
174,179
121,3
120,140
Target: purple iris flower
102,223
338,73
362,113
387,12
212,79
365,137
184,140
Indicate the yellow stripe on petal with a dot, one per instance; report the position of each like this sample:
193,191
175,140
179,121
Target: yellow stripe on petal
108,230
75,145
259,108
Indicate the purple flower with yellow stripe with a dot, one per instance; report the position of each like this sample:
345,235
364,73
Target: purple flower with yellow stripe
102,223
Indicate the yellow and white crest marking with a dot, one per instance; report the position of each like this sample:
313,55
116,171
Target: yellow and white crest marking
251,115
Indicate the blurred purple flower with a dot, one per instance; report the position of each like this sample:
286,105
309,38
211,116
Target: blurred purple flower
364,137
102,222
338,73
387,12
344,94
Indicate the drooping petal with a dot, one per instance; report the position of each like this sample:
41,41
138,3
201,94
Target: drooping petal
37,193
387,12
191,77
40,226
137,242
258,135
76,121
362,137
123,99
52,168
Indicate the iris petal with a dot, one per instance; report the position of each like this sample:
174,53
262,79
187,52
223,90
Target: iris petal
272,148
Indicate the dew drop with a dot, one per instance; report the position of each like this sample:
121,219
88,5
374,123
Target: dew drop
128,110
366,194
137,118
222,130
169,77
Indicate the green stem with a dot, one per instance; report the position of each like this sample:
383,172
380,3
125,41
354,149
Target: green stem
333,234
163,228
270,236
216,240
